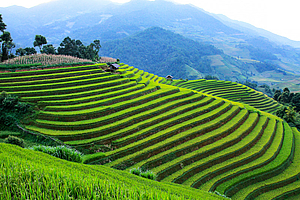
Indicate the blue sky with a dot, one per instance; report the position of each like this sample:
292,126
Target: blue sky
278,16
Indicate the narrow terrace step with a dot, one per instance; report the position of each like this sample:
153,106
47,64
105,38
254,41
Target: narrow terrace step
251,154
86,103
196,143
37,77
172,135
106,133
93,96
89,93
144,120
181,172
289,175
127,108
50,71
60,84
48,80
260,153
261,174
68,90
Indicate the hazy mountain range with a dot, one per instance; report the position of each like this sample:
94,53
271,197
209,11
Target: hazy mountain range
107,21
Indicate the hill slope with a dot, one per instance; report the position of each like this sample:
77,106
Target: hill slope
166,53
232,91
129,119
25,176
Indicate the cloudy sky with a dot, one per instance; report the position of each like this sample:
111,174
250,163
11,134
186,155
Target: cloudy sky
278,16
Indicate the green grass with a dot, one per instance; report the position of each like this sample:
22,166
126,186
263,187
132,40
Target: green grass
240,182
73,95
236,160
42,77
72,89
51,71
84,103
289,175
155,115
170,135
232,91
193,144
60,84
181,135
215,151
25,177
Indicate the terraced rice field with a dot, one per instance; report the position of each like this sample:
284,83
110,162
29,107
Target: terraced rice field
232,91
184,136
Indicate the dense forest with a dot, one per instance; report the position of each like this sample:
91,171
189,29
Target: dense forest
162,52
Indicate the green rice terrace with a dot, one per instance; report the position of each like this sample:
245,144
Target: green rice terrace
232,91
209,136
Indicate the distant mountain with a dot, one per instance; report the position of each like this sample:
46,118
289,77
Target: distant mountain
108,21
252,30
163,52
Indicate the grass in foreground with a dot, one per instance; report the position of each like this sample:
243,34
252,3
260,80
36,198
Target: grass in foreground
26,174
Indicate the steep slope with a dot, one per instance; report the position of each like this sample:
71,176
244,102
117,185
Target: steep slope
129,119
23,176
232,91
166,53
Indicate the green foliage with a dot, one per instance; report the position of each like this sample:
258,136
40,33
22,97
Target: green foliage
251,85
210,77
145,174
76,48
15,140
30,51
11,110
60,152
136,171
20,52
6,40
48,49
39,41
288,99
28,174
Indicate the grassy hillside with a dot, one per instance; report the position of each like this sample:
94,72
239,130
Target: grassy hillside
232,91
135,119
26,174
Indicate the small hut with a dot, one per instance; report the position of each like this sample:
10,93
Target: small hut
169,77
112,67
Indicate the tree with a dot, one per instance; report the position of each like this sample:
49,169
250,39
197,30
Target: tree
48,49
76,48
2,24
277,94
67,47
4,38
20,52
39,41
30,50
97,46
7,45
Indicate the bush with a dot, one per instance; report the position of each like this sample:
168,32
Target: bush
149,175
136,171
145,174
60,152
15,140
